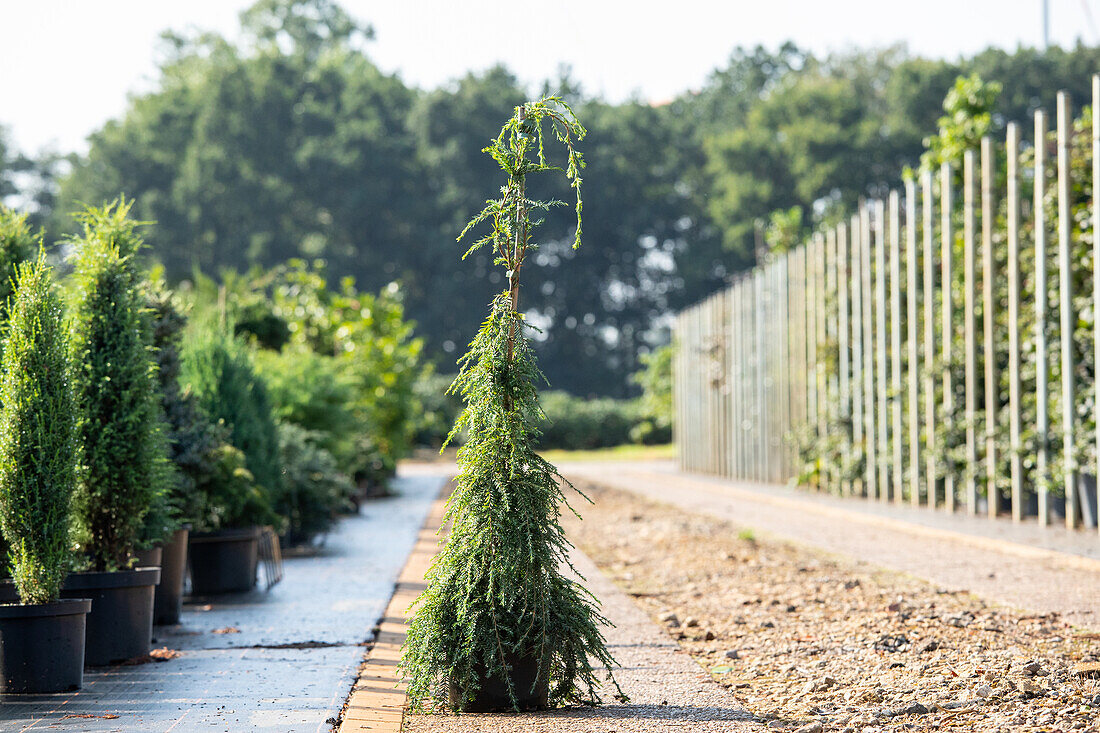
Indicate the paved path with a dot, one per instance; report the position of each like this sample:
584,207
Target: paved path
1024,567
291,663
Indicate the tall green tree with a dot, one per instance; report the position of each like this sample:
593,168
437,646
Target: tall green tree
123,460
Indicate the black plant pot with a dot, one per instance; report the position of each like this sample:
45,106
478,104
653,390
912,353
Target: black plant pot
223,562
150,558
168,598
42,646
532,689
171,558
120,625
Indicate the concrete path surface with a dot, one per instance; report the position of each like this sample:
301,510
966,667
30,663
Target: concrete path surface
1041,570
281,660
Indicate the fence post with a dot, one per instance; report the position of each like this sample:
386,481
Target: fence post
829,302
759,418
857,351
883,418
1068,317
929,340
970,341
912,367
1016,469
843,273
1096,270
784,367
1042,359
947,332
989,357
820,377
895,394
870,432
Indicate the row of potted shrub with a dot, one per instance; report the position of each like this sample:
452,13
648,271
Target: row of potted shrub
130,440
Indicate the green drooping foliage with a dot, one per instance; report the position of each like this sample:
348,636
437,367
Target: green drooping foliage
497,591
218,368
123,463
38,448
315,491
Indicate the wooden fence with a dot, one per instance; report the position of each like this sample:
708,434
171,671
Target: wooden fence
870,362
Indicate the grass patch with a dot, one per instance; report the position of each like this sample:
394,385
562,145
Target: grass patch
618,453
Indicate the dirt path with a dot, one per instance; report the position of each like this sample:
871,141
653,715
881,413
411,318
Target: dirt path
957,553
803,639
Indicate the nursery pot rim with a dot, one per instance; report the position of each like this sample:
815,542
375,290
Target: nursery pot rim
132,578
58,607
221,535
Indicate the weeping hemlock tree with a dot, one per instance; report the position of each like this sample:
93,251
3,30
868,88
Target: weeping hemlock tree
124,454
497,597
37,438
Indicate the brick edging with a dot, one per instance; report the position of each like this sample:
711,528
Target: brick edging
377,700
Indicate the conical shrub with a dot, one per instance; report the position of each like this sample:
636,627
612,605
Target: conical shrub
38,450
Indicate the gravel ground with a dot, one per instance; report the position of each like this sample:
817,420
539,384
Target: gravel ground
668,691
814,642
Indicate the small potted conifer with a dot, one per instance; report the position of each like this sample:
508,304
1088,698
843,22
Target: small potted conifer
501,625
235,497
18,243
42,637
123,453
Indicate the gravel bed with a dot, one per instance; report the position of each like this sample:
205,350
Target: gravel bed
813,642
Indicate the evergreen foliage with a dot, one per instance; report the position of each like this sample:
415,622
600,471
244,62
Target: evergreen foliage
38,449
315,491
218,368
497,591
124,454
18,243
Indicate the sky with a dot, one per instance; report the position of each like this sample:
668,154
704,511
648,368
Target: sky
67,66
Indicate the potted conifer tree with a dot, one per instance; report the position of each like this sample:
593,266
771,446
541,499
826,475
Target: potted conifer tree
123,451
501,625
236,498
42,637
18,243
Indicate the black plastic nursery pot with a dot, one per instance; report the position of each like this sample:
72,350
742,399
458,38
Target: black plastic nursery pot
224,561
532,689
168,598
171,558
42,646
120,625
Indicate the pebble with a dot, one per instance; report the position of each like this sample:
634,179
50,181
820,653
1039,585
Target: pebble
691,622
984,691
732,654
814,727
671,619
